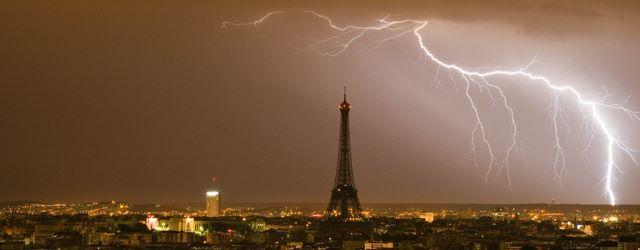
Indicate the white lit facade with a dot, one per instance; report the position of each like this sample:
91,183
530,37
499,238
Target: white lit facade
213,204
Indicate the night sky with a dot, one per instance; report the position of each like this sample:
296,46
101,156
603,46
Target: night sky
147,101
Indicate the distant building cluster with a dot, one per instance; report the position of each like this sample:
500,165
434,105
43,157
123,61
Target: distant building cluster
89,208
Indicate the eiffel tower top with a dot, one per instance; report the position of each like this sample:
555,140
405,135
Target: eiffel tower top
344,105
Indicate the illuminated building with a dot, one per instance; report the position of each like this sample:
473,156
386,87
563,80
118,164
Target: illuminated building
427,216
258,225
151,222
587,229
378,245
213,204
189,225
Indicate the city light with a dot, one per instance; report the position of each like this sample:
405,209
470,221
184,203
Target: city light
152,223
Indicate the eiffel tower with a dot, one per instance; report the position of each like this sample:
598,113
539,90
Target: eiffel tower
344,204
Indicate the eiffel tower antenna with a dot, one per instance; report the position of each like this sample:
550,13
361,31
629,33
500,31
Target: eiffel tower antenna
345,94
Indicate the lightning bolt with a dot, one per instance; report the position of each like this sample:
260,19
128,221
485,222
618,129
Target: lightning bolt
347,35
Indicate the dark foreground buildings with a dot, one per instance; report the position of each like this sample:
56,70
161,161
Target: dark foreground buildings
21,231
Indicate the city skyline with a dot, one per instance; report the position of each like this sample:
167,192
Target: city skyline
150,103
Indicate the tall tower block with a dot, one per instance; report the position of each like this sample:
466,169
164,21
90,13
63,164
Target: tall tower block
213,204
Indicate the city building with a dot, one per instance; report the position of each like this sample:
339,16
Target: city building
151,223
213,204
378,245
